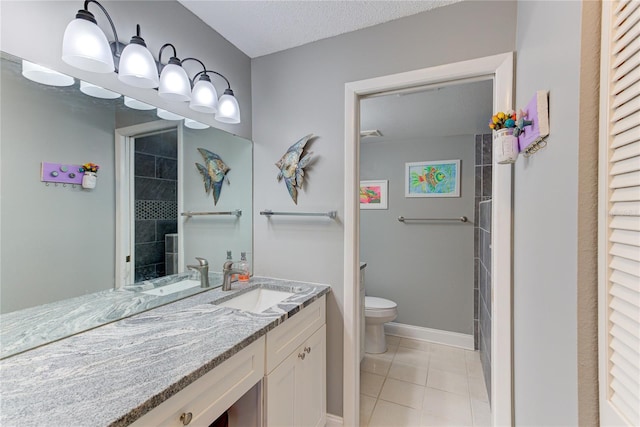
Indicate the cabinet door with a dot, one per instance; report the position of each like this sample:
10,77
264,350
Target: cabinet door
312,386
282,397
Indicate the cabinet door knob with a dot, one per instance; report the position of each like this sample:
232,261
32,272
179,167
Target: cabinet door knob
186,418
301,356
307,349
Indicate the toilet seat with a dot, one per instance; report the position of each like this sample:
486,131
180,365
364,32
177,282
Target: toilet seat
379,307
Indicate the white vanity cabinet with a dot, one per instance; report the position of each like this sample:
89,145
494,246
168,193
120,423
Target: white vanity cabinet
291,361
295,384
204,400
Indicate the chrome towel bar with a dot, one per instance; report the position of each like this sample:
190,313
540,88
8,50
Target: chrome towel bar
461,219
189,214
330,214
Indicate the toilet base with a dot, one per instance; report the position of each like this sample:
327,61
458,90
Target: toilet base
375,341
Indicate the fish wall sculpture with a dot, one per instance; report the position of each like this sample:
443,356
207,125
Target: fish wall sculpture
214,173
292,166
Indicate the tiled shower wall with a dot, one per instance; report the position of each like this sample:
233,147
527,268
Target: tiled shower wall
482,240
156,206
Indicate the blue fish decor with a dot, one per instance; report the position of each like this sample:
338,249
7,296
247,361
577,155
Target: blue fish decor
292,166
214,173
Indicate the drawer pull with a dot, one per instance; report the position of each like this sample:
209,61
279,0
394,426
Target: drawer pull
186,418
307,349
301,356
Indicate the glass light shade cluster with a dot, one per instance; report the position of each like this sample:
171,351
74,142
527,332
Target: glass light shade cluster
86,47
138,68
228,108
174,83
204,97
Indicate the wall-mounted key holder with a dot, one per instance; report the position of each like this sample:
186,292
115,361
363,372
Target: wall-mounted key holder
533,134
61,173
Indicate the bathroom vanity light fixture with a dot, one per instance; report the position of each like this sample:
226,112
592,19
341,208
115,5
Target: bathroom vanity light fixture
137,66
86,47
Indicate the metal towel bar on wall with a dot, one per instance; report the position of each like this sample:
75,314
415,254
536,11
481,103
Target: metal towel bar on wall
189,214
461,219
330,214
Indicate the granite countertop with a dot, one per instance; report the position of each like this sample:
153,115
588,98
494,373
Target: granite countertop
114,374
31,327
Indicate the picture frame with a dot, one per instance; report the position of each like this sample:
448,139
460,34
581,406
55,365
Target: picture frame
374,194
437,178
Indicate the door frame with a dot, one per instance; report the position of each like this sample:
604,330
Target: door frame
500,68
125,192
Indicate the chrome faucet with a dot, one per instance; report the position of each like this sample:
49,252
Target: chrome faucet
203,269
227,271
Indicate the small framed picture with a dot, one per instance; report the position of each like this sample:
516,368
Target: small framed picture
374,194
440,178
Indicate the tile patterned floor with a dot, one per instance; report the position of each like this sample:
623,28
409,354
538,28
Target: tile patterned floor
416,383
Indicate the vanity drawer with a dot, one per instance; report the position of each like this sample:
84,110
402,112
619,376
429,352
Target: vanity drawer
284,339
212,394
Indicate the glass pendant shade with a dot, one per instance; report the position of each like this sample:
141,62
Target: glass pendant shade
228,108
192,124
137,105
137,67
174,83
97,91
44,75
85,46
204,97
168,115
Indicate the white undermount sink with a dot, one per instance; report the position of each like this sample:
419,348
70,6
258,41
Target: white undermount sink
257,300
173,288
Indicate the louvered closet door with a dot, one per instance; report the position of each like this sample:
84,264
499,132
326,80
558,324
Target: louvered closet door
619,240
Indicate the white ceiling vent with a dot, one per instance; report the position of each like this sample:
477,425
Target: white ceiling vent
370,133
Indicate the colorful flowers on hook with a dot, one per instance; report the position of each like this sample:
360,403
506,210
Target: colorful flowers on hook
90,167
503,120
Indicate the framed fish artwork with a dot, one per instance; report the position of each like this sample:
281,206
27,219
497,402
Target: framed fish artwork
440,178
374,194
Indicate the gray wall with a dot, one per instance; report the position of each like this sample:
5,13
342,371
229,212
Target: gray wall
33,30
300,91
211,236
53,235
545,213
426,268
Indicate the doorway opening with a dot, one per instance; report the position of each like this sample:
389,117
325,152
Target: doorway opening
147,201
499,68
422,241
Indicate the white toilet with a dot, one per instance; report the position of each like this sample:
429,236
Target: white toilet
377,312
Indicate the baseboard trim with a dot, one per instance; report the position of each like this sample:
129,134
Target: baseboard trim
438,336
334,420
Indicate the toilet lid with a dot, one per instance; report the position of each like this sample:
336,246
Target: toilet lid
378,303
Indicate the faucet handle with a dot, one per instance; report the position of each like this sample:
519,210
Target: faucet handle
203,262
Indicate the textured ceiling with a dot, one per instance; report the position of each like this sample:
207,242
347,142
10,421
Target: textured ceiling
461,109
262,27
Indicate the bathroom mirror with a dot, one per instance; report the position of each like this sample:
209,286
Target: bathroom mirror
59,242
